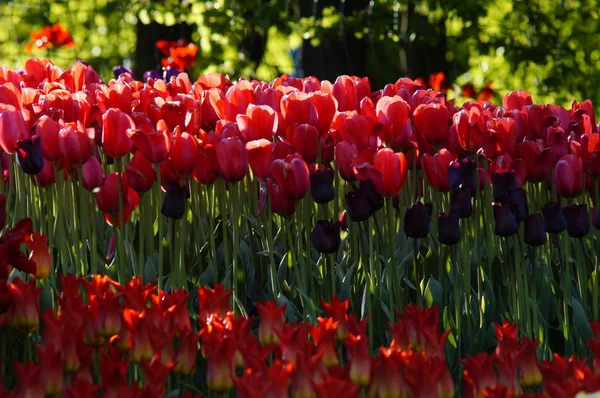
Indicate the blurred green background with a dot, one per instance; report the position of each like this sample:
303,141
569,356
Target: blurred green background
550,48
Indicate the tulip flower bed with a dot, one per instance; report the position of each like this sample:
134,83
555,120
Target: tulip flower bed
385,204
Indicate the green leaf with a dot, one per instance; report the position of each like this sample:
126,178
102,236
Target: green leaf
149,272
346,281
580,321
433,293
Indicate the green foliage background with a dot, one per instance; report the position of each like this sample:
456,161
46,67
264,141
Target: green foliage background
549,47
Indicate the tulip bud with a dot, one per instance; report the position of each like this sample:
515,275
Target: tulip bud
107,197
535,230
292,174
116,133
568,176
45,178
449,228
183,153
25,314
29,155
47,129
417,219
12,128
578,220
358,205
76,143
259,157
505,221
321,186
431,121
326,236
280,202
517,201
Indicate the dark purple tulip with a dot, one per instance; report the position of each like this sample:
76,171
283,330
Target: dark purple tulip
461,174
326,236
29,155
505,221
374,197
321,186
517,201
554,218
170,72
417,220
460,202
503,183
120,69
448,229
535,230
152,74
358,206
174,202
578,220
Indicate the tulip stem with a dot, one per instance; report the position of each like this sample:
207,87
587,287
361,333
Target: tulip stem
161,232
211,217
418,273
391,276
77,250
235,226
457,301
533,283
596,270
224,218
272,266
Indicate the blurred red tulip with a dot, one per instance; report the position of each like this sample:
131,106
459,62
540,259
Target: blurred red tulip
516,99
40,254
50,36
568,176
233,160
271,321
25,312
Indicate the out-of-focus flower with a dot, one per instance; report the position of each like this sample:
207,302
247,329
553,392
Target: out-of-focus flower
179,54
51,37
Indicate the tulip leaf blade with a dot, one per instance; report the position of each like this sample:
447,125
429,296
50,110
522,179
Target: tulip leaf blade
433,293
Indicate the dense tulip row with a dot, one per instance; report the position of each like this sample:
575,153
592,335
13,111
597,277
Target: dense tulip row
301,190
112,340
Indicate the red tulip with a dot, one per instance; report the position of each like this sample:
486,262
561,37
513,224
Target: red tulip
48,130
260,121
436,169
392,114
502,137
271,321
281,203
568,176
470,128
293,175
325,106
431,122
516,99
116,133
349,91
155,145
25,314
233,160
346,155
387,172
76,142
358,131
40,254
537,158
141,174
46,177
92,175
12,128
107,197
297,108
305,139
259,157
184,151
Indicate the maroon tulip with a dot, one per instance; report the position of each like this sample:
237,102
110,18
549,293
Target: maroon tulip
116,133
140,173
46,177
107,197
76,142
436,169
281,203
233,160
346,155
568,176
92,175
358,130
537,159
